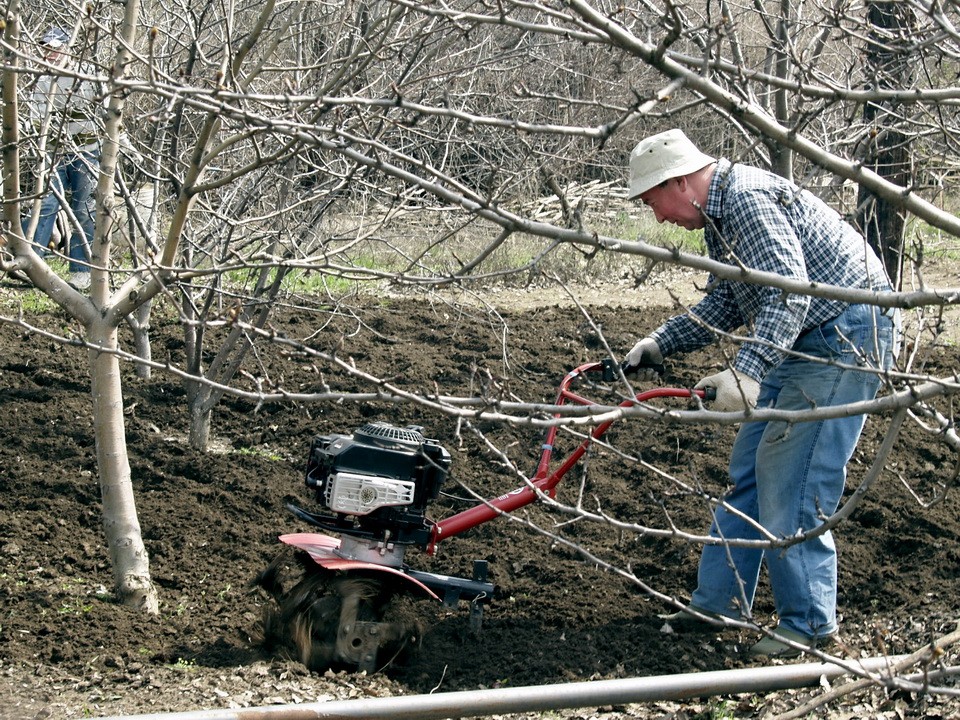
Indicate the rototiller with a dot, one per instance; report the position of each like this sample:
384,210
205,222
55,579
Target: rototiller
374,487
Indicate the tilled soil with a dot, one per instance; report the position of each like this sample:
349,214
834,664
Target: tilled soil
211,519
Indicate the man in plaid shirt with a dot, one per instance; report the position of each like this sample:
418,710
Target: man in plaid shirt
803,352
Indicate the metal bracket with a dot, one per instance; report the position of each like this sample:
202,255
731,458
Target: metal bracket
357,642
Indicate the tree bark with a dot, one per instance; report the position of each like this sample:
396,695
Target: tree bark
887,150
201,415
781,157
139,323
131,565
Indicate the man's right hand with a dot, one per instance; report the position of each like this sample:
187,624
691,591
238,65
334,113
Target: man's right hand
645,361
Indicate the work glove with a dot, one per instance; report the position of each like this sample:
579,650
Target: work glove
645,361
736,392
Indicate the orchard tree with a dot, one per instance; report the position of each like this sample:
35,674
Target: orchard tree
891,56
99,317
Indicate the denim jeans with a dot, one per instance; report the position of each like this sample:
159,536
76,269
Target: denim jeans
74,177
789,476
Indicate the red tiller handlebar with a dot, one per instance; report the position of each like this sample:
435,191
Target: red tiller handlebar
544,480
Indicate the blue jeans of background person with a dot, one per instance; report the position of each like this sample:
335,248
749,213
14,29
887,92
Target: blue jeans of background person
789,476
75,178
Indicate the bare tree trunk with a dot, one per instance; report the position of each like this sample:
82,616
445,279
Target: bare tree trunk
139,324
201,415
11,123
139,226
781,157
203,398
131,565
887,151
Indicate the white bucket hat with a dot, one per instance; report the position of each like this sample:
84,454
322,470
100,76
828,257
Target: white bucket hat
663,156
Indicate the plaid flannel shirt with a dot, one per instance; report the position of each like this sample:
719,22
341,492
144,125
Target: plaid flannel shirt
767,223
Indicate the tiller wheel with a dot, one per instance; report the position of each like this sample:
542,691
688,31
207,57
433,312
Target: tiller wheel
336,619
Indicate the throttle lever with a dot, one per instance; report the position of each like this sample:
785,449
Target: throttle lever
610,368
709,393
658,368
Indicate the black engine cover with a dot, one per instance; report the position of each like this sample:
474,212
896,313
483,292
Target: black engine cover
381,450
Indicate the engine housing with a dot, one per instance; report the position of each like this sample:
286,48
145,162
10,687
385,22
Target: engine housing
378,481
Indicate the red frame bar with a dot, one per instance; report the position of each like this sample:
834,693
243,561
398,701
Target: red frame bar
544,480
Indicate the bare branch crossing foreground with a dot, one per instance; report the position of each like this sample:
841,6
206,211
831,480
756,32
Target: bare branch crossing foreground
317,156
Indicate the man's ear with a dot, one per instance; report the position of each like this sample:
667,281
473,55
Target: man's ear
681,183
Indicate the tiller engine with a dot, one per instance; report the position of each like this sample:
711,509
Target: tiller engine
374,487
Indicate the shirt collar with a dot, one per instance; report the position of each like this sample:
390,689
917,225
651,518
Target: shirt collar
718,185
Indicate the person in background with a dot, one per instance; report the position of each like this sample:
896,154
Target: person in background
66,108
803,352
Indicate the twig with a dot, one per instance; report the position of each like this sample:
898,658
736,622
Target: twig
925,656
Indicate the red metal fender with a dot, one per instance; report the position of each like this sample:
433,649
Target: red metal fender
323,550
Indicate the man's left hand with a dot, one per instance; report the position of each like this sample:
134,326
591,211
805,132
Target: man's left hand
736,392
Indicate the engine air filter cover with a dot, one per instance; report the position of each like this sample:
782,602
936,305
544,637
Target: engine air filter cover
383,434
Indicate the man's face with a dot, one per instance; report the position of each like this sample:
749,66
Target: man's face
673,202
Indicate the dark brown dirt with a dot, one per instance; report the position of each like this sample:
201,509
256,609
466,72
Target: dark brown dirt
210,522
